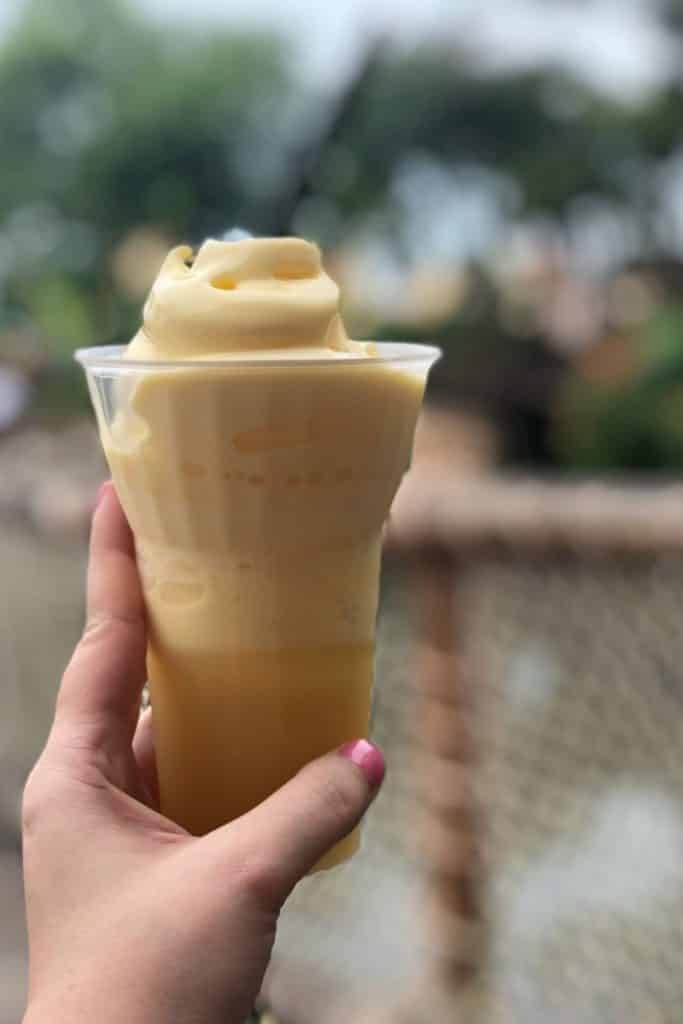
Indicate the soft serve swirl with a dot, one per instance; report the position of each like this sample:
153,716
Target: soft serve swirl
253,297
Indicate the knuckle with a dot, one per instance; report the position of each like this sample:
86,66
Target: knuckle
99,632
101,626
76,732
58,780
340,795
38,800
261,882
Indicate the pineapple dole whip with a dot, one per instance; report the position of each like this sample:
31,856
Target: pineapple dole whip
256,464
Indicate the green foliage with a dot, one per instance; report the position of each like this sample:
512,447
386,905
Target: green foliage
549,133
108,123
59,392
636,425
672,14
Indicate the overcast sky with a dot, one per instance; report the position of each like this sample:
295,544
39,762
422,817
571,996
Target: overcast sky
614,42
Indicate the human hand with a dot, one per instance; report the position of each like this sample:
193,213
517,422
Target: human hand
130,918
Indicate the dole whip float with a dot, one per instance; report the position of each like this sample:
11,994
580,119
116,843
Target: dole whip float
256,451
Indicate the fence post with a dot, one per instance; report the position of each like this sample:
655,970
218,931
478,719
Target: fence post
451,822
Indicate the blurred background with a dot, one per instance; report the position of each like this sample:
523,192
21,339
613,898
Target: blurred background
503,178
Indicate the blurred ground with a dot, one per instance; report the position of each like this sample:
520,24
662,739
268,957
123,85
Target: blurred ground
49,479
41,607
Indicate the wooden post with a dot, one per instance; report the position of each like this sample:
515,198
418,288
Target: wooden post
451,821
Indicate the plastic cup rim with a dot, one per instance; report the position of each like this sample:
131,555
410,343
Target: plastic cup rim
109,358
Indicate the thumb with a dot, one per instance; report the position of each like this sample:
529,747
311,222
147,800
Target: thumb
286,835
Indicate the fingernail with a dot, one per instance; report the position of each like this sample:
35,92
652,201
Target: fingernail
368,758
102,493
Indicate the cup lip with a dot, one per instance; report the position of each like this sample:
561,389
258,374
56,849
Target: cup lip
109,357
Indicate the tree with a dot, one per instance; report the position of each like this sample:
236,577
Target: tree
110,123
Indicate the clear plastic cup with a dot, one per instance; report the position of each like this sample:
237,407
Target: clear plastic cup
256,491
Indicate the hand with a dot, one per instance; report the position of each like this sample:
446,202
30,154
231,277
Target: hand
131,918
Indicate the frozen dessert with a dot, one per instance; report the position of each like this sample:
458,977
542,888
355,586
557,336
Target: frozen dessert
256,450
259,296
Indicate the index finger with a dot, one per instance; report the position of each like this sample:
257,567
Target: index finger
103,681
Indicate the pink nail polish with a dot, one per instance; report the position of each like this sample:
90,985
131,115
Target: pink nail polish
368,758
